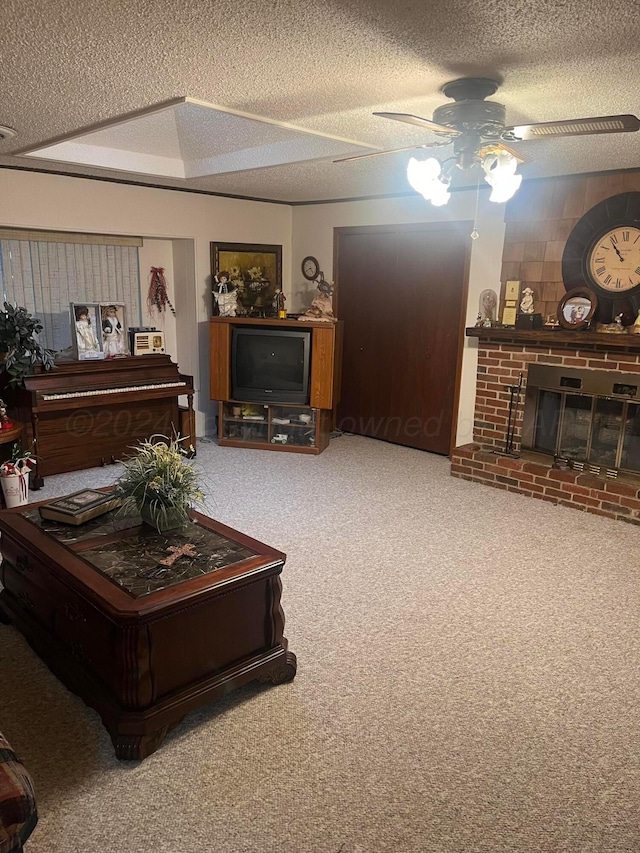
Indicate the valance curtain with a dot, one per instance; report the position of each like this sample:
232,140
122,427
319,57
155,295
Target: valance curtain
45,275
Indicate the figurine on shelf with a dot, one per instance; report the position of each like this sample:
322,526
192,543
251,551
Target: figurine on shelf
488,306
636,325
88,346
526,303
278,303
321,307
113,332
225,295
616,328
479,321
5,423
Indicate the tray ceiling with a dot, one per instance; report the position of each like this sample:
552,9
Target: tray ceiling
295,85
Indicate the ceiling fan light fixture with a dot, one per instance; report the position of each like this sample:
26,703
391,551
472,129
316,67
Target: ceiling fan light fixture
426,178
500,173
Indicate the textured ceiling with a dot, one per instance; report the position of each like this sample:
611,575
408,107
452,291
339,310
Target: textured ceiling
321,66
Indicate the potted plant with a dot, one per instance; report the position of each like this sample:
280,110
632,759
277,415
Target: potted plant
160,483
18,341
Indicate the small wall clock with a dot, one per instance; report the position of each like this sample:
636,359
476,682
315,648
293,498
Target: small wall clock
603,252
310,268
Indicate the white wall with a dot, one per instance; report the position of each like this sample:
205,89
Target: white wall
47,201
313,235
178,228
159,253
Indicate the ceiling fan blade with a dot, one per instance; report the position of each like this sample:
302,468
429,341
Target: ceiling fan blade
421,122
389,151
492,147
572,127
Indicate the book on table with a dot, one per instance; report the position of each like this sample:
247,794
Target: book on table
79,507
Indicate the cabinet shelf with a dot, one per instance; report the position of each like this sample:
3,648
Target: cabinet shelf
268,434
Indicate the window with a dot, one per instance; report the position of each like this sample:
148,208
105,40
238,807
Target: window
44,272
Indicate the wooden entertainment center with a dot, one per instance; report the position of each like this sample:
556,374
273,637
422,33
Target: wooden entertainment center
277,426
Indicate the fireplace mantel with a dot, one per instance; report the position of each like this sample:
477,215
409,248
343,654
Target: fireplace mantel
546,338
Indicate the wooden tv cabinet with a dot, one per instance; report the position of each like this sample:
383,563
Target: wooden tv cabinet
309,427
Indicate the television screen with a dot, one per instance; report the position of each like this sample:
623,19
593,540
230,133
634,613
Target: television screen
270,365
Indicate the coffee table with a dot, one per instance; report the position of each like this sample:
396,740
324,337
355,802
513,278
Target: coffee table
141,641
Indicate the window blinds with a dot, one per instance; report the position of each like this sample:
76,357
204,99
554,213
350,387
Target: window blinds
44,276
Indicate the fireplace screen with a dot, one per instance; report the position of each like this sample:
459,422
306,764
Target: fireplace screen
589,417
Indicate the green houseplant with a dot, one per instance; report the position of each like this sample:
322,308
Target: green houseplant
160,483
18,342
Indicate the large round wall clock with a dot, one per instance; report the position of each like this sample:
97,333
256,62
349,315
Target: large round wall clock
603,252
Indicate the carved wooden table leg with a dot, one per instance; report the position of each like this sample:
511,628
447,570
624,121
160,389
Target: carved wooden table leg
129,747
283,672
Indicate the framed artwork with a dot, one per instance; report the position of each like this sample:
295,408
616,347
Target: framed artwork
253,273
86,330
115,333
576,308
511,290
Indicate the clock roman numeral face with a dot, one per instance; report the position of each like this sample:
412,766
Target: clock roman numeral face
614,260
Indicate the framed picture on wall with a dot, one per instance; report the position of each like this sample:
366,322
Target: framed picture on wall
86,330
115,334
252,271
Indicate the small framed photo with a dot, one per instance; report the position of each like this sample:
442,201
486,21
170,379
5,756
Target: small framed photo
512,290
86,330
115,333
576,308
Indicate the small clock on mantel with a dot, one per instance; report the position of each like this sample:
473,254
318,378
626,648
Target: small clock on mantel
603,253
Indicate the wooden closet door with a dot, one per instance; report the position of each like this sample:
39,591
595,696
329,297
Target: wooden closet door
401,291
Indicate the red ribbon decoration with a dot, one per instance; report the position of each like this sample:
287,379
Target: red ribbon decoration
157,297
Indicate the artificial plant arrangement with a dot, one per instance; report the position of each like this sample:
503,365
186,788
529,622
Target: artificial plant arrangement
18,330
160,483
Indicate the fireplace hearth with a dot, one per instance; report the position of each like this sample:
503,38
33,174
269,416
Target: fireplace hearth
577,438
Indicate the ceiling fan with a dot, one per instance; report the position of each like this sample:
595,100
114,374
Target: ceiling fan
477,127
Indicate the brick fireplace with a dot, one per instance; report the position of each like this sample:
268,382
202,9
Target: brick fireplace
505,354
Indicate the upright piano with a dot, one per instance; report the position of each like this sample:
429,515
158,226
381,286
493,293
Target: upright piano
83,414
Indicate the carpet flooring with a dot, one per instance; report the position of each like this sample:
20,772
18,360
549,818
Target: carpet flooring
467,679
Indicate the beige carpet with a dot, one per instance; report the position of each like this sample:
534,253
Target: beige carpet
468,679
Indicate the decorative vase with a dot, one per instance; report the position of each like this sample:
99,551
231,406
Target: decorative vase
164,522
15,488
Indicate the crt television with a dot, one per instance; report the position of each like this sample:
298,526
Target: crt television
270,365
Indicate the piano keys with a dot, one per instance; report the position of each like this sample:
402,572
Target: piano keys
85,414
